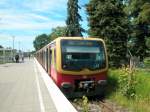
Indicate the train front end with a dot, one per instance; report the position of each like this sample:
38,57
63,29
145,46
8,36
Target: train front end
81,66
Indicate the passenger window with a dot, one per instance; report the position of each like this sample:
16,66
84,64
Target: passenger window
55,57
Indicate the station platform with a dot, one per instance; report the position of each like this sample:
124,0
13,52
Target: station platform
22,89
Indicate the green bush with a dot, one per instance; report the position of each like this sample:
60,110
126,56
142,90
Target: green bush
147,62
127,82
85,104
133,89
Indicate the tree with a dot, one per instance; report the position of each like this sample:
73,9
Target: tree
148,46
148,43
40,41
58,32
73,18
107,20
139,13
1,46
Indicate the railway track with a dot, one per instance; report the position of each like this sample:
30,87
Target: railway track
105,107
99,106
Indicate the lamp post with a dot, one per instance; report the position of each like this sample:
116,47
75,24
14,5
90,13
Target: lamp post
19,46
13,46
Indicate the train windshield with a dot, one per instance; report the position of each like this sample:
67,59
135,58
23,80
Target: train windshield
83,54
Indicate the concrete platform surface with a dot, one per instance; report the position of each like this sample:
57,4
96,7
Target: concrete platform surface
22,89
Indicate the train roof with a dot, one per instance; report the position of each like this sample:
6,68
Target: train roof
72,38
78,38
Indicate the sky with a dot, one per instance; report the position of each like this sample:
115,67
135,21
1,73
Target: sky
23,20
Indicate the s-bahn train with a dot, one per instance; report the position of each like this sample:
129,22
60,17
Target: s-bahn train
77,65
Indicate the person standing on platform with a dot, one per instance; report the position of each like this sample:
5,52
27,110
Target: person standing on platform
29,56
17,58
22,57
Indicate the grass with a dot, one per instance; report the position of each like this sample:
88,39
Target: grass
147,62
141,102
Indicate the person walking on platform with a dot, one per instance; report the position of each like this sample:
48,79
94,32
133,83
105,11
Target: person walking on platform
22,57
17,58
29,56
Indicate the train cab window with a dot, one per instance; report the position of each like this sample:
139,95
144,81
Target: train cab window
78,55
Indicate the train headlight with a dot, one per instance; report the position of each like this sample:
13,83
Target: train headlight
66,85
102,82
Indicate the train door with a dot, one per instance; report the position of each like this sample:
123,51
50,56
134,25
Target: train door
54,58
47,59
50,61
48,64
42,58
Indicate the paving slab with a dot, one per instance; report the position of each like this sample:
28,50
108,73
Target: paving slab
22,89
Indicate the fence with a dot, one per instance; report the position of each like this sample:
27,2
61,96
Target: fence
6,55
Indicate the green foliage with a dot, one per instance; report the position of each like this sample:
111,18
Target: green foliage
148,42
43,39
1,46
144,15
139,13
147,62
136,6
107,20
85,104
141,101
57,32
143,85
40,41
127,82
112,80
148,46
73,18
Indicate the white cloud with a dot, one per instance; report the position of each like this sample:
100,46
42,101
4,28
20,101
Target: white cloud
20,15
42,5
4,36
28,21
3,2
37,16
9,37
30,25
23,42
25,19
